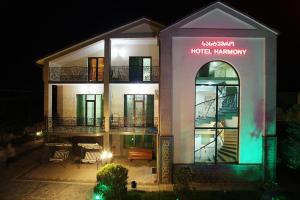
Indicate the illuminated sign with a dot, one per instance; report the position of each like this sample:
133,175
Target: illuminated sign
218,48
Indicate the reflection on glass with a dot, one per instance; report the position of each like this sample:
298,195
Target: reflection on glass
217,72
205,106
204,145
228,106
90,113
216,113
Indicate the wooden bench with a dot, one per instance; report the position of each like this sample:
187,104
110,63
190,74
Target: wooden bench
139,154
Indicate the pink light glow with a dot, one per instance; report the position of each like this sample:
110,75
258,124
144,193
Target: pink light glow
217,48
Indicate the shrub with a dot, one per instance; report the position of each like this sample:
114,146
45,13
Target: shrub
112,182
182,178
290,146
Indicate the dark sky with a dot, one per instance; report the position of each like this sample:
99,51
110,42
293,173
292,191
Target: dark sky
34,29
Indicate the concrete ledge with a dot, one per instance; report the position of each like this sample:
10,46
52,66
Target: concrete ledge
224,173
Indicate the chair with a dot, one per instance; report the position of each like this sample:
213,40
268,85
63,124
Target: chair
59,155
91,157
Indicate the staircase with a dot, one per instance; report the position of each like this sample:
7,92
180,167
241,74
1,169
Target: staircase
228,152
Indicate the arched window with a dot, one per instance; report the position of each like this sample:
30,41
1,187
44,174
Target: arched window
216,113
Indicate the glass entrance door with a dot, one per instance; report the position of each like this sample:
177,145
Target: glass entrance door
90,113
139,120
139,110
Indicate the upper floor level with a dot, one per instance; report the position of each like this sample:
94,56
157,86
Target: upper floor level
128,54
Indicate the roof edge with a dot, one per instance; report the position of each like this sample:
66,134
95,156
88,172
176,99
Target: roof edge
214,4
41,61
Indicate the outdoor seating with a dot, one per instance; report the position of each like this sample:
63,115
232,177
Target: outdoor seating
139,154
59,155
91,157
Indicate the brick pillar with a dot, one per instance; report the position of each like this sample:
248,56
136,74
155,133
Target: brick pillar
165,159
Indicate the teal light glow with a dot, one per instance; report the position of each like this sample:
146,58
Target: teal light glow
98,197
251,133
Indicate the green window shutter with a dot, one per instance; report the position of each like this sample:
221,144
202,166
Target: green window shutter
148,141
80,109
150,111
98,110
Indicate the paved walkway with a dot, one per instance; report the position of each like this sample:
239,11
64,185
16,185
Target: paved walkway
13,189
27,178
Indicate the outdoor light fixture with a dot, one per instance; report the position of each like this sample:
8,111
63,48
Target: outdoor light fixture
39,133
105,155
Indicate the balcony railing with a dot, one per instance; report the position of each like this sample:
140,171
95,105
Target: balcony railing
126,123
122,74
75,125
68,74
117,74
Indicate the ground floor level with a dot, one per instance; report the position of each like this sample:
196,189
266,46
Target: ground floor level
17,182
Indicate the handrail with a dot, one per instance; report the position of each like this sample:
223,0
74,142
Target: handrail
215,99
209,142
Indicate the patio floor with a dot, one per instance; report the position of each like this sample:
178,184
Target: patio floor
72,171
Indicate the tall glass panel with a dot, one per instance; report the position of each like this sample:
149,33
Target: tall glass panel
146,69
139,113
204,145
92,67
100,69
129,110
90,113
228,106
205,114
99,110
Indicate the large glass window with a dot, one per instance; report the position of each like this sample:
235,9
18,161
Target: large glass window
216,113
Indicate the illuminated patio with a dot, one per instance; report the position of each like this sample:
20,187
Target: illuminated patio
75,172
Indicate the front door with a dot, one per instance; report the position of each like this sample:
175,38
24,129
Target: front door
139,111
90,112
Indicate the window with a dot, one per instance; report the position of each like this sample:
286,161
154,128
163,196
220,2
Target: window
95,68
216,113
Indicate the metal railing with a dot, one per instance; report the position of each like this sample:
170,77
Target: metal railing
207,152
68,74
122,74
74,125
117,74
139,122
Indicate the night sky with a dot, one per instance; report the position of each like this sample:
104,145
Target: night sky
30,31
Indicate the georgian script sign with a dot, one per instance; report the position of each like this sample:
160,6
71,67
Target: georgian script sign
218,48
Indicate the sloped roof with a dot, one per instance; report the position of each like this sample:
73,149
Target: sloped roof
137,26
218,16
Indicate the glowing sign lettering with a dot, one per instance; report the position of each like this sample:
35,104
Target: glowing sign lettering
218,48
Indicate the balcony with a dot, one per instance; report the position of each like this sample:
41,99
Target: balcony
68,74
79,74
75,74
126,74
73,126
136,124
